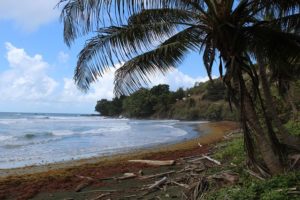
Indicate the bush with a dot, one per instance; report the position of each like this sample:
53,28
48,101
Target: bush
275,188
293,127
234,150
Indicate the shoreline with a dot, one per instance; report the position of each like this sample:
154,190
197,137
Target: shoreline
209,132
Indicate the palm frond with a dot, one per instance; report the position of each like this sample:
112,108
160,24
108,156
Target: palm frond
134,73
83,16
279,49
118,44
279,7
290,23
176,16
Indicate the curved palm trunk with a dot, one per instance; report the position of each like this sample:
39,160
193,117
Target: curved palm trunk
284,136
269,153
255,134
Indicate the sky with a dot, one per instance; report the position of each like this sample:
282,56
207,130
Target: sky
36,66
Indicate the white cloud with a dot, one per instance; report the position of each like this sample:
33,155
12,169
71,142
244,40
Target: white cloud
26,79
27,86
177,79
63,57
103,89
29,14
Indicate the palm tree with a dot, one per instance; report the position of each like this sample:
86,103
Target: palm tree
151,36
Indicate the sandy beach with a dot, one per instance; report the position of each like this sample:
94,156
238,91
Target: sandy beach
27,182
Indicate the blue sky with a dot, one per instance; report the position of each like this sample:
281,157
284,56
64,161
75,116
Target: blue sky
36,67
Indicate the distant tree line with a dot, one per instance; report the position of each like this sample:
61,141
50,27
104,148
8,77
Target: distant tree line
142,103
203,101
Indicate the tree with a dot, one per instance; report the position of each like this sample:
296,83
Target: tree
154,36
138,104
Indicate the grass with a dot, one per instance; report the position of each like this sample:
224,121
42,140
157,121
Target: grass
293,127
248,187
276,188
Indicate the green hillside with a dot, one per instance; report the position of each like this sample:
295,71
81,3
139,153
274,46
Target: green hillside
203,101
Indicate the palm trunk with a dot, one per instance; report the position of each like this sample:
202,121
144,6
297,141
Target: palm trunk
270,154
283,135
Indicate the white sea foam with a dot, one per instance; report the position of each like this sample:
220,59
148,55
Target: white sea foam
4,137
63,133
107,129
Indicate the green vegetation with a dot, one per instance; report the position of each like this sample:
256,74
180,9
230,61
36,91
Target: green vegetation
249,188
203,101
232,156
293,127
276,188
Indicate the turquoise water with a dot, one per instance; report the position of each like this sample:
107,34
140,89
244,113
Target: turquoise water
33,139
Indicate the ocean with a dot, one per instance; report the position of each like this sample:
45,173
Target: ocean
33,138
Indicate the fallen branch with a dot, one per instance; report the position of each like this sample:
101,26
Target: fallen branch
195,160
91,191
127,176
101,196
181,185
156,175
158,183
82,185
255,175
155,162
130,196
212,160
85,177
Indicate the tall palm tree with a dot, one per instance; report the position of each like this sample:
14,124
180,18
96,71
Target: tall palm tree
151,36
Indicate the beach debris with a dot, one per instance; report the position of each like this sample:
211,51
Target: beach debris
156,175
296,158
158,183
155,162
227,177
252,173
85,177
198,188
130,196
141,173
212,160
101,196
180,184
107,191
127,176
83,185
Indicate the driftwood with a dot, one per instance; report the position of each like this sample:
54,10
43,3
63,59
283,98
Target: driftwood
156,175
255,175
181,185
158,183
83,185
155,162
127,176
107,191
101,196
196,159
212,160
85,177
